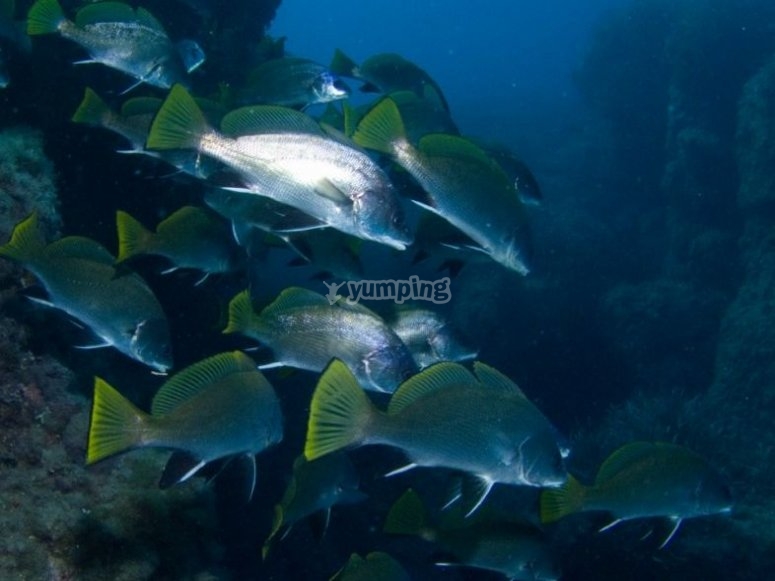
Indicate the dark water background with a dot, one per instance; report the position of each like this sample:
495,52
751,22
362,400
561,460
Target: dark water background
650,127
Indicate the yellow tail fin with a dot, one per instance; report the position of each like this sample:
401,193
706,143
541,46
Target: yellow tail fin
116,425
559,502
339,413
133,237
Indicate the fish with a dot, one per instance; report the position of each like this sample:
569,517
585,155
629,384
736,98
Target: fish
387,73
444,416
464,185
132,123
376,566
641,480
118,36
221,407
518,551
315,487
330,252
430,337
283,154
304,330
80,279
190,237
525,183
292,82
248,212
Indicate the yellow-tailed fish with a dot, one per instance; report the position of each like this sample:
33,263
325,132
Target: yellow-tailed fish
283,154
190,237
116,35
645,479
444,416
315,487
304,330
463,184
519,551
80,279
430,337
388,73
292,82
132,122
219,408
376,566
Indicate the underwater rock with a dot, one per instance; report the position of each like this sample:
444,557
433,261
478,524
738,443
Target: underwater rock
26,181
61,520
756,141
666,331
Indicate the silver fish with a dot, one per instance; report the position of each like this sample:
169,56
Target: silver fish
283,154
220,407
81,280
116,35
464,185
444,417
304,330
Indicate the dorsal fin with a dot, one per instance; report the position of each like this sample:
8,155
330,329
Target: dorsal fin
197,377
105,12
79,247
145,18
141,106
259,119
491,377
623,458
454,146
293,298
434,378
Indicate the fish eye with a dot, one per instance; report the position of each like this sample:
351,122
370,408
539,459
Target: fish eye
339,84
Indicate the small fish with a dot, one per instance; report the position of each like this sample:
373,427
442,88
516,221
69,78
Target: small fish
132,123
190,237
283,154
525,183
220,407
645,479
376,566
430,337
330,252
116,35
517,550
81,280
304,330
292,82
464,185
387,73
314,487
444,416
249,212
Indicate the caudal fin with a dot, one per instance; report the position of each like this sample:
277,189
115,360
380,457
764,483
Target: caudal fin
557,503
407,516
44,17
26,241
92,110
133,237
382,128
242,318
340,412
179,124
116,425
